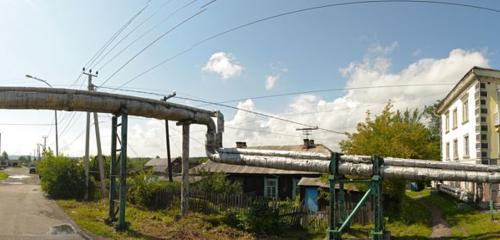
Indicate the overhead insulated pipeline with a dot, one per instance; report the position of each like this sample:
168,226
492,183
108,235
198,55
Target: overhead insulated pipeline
353,165
101,102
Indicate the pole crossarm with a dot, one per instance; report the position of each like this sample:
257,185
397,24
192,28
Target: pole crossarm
410,169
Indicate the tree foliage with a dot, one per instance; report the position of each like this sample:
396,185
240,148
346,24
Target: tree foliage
61,177
217,183
395,134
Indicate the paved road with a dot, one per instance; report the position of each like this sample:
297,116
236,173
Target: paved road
26,214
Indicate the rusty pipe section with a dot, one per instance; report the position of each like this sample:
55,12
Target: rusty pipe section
358,165
102,102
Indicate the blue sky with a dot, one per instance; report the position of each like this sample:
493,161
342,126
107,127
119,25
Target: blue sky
54,39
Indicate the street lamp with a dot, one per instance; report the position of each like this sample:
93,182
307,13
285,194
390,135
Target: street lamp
55,111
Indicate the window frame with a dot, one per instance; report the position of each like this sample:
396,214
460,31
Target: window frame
455,118
447,121
466,146
465,111
267,186
455,149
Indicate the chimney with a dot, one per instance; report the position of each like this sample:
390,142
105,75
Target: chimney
311,143
241,144
308,143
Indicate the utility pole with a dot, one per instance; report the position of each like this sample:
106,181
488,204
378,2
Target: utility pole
44,142
55,111
98,141
169,166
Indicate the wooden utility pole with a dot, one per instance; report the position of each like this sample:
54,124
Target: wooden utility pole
90,87
167,136
185,169
169,166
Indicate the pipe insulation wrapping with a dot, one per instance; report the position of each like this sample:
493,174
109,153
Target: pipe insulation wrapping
388,161
349,166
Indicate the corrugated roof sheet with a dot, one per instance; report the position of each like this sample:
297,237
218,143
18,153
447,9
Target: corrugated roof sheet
211,166
312,181
320,148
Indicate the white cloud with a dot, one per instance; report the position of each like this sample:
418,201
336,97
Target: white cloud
342,113
271,80
224,65
278,68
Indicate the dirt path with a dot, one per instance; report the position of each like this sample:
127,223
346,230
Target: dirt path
440,227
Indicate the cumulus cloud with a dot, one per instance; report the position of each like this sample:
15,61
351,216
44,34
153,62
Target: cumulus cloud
342,113
223,64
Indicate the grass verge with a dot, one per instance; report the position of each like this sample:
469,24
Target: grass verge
145,224
3,175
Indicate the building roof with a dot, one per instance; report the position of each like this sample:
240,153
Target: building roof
474,74
319,148
312,182
316,182
211,166
154,162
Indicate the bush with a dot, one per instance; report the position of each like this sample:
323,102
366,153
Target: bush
62,177
143,188
217,183
259,218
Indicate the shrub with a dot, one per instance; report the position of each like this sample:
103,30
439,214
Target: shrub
62,177
143,188
259,218
217,183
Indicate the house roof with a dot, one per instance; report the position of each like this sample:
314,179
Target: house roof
319,148
157,162
312,182
474,74
211,166
316,182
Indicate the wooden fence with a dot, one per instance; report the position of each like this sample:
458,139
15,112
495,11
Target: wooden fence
213,203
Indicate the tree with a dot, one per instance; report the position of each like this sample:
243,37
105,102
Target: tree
5,156
394,134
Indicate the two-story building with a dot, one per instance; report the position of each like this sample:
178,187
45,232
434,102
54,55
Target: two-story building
470,127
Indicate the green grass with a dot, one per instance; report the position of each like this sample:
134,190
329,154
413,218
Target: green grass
3,176
165,224
145,224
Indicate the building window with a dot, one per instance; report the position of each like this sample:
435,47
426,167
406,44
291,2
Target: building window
271,187
295,187
447,151
465,111
454,118
455,149
466,146
447,121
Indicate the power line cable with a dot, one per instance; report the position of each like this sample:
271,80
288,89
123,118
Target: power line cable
152,43
335,89
244,25
146,33
113,38
130,32
108,42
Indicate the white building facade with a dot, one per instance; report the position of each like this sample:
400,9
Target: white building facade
470,128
